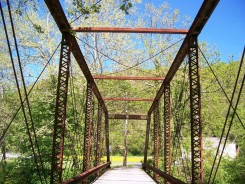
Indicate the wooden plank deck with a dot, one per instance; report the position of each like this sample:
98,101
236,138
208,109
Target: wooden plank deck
125,175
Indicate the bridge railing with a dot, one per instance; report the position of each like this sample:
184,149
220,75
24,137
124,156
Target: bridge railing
83,176
164,175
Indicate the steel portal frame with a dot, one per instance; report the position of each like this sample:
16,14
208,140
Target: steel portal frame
188,46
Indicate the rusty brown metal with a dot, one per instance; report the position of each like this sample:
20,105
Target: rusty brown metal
128,116
167,130
88,128
164,175
147,134
127,78
156,138
201,19
107,137
129,99
195,115
99,137
129,30
86,174
57,12
60,113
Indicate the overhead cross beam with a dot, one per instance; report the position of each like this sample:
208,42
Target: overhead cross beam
201,19
129,99
127,78
129,116
129,30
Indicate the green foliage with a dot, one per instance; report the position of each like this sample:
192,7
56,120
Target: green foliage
38,28
126,6
87,8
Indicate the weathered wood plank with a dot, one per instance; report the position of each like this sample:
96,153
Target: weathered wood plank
125,175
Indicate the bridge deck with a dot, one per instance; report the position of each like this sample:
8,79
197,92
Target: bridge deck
125,175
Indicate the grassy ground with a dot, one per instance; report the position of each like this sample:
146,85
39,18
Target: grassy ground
129,158
118,160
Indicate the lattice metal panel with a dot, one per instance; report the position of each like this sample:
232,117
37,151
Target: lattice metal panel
60,113
107,137
156,140
195,105
167,130
147,138
99,136
88,128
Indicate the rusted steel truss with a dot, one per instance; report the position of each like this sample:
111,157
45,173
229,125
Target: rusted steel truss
127,78
189,46
107,137
195,107
147,139
99,137
129,30
156,138
60,113
129,99
88,128
128,116
167,130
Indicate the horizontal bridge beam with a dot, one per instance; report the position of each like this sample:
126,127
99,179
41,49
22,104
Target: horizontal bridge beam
129,116
129,99
129,30
126,78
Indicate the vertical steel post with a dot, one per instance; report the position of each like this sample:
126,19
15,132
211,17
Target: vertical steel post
147,138
195,107
156,140
60,113
99,137
88,127
107,137
167,130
